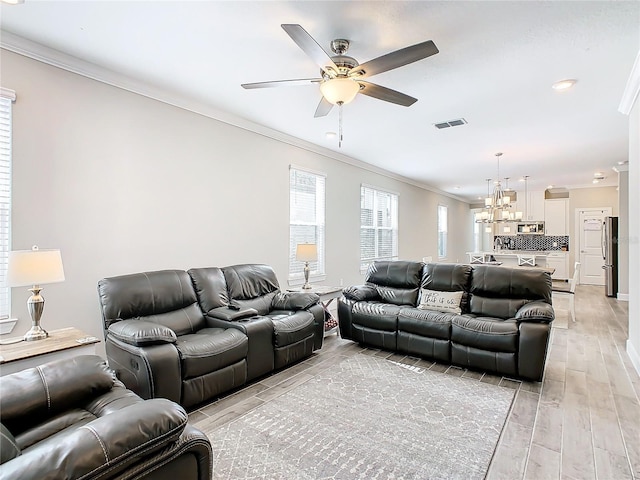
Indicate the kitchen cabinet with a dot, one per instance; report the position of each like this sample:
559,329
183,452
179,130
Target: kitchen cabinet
559,261
535,206
556,216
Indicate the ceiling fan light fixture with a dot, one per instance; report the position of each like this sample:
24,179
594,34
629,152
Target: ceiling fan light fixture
564,84
339,90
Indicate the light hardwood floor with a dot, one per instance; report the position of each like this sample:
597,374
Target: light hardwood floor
581,422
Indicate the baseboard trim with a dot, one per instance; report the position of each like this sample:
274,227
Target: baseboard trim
624,297
633,355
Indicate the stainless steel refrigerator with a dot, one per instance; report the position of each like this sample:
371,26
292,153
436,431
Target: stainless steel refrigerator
610,255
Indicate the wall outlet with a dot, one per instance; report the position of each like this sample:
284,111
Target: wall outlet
555,244
341,283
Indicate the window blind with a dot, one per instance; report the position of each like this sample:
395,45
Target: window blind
6,99
378,226
442,231
306,218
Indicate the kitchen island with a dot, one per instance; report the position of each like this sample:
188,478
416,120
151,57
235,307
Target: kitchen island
509,258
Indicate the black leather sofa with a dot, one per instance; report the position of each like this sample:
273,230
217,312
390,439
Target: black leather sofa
191,336
483,317
72,419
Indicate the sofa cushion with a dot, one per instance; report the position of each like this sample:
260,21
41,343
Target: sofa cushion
449,277
397,282
291,327
440,301
396,274
250,281
426,323
398,296
211,349
513,283
375,316
210,286
145,294
485,333
261,304
503,308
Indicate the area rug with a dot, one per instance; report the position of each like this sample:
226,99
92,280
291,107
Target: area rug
367,418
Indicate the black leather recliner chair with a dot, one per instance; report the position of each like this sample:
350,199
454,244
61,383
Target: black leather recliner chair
160,343
72,419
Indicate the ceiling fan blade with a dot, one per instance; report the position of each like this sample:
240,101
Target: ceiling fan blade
283,83
310,47
324,107
396,59
386,94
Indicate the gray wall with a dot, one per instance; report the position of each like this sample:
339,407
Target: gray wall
122,183
623,235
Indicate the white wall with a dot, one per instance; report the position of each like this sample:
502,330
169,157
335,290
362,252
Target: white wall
122,183
633,344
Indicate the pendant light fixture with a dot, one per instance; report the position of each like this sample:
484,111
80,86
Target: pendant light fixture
497,204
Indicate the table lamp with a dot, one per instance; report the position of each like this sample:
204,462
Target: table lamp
34,267
306,252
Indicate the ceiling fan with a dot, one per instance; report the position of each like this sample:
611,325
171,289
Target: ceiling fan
342,77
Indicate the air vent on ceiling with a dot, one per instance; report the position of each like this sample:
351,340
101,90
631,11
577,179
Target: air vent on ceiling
450,123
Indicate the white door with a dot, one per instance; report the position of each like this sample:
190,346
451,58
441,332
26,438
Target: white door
590,223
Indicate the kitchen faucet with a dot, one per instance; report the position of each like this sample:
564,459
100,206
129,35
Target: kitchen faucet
498,244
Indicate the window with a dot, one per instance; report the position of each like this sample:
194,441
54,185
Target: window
442,231
306,218
378,226
7,97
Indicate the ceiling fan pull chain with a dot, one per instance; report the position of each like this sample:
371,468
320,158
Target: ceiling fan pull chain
340,124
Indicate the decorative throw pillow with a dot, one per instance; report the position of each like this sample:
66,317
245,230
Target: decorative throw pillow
448,302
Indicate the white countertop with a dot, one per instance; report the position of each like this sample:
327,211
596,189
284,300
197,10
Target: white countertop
537,253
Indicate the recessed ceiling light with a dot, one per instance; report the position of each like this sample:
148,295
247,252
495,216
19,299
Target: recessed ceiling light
595,180
457,187
623,162
331,134
549,186
564,84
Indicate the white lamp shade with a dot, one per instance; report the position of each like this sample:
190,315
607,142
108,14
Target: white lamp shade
307,252
339,90
34,267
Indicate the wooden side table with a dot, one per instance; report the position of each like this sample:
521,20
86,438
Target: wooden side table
327,295
63,343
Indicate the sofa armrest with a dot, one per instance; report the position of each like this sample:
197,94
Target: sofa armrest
141,333
229,314
361,293
536,311
294,301
103,447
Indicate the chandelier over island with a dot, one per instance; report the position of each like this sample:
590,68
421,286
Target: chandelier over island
497,205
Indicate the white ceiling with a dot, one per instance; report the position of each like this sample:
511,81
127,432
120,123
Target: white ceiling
495,68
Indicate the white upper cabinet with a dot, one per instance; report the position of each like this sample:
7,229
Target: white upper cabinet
535,206
556,216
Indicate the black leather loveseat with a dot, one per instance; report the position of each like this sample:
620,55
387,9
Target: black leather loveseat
72,419
482,316
191,336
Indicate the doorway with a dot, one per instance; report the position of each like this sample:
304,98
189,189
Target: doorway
589,223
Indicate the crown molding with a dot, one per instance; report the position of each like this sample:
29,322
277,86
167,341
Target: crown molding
55,58
632,89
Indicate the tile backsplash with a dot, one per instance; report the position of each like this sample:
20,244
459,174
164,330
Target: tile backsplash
535,242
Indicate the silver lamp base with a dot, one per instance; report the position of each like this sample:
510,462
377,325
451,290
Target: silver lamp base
35,305
35,333
306,285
